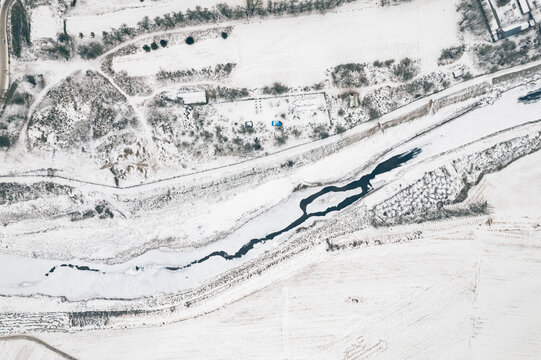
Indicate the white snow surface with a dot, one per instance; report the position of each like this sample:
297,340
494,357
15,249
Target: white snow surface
45,23
298,50
102,15
122,281
465,290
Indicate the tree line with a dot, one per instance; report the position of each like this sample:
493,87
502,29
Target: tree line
221,12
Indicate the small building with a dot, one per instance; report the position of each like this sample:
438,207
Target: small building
194,97
458,73
514,29
276,123
353,100
524,6
249,124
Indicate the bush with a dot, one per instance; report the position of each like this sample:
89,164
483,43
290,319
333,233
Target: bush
427,86
451,54
340,129
190,40
276,89
373,113
227,93
349,75
280,139
163,43
320,132
224,35
64,38
90,51
154,46
18,99
4,141
405,70
60,50
31,79
146,48
504,55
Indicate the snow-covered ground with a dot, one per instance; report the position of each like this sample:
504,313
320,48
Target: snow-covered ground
296,110
121,281
26,348
45,23
461,288
298,50
465,290
102,15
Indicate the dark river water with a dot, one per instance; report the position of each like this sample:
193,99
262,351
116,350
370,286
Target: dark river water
363,183
531,97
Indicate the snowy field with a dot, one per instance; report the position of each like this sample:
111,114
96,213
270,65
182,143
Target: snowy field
45,23
298,50
466,290
23,348
179,57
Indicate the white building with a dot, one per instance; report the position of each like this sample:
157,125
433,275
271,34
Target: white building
193,97
509,19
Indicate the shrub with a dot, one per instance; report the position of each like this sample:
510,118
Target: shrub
18,99
276,89
227,93
190,40
349,75
340,129
154,46
320,132
224,35
373,113
504,55
163,43
4,141
427,86
31,79
91,51
280,139
146,48
60,49
451,54
405,70
63,38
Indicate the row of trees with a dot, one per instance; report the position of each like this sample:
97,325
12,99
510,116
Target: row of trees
154,45
20,28
221,12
